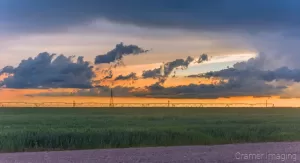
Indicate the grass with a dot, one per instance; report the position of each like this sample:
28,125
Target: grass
37,129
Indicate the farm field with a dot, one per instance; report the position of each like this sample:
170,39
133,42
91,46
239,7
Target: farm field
39,129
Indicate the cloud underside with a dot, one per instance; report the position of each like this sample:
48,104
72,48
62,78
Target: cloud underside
45,71
232,88
253,16
255,68
131,76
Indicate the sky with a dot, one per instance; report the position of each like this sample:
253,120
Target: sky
209,49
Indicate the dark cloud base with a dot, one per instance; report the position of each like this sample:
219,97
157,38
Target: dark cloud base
132,76
217,15
45,71
234,87
229,89
118,52
254,68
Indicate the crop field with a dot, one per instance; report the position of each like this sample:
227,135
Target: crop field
38,129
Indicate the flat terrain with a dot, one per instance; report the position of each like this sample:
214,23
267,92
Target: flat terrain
39,129
238,153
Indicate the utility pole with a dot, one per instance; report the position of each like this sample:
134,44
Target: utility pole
168,103
267,102
111,102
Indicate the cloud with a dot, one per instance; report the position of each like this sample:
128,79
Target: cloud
169,67
118,52
132,76
255,15
283,73
277,50
151,73
7,69
194,76
202,58
108,76
256,68
234,87
46,71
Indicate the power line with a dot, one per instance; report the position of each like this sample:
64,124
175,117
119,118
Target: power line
112,104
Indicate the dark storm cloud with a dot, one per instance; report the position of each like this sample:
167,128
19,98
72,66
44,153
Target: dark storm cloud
202,58
118,52
46,71
234,87
132,76
282,73
151,73
254,67
7,69
254,15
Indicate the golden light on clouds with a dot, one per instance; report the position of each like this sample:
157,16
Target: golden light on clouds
3,76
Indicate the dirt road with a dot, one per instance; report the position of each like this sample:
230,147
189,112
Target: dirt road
239,153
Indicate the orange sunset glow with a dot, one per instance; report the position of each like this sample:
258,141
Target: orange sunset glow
11,95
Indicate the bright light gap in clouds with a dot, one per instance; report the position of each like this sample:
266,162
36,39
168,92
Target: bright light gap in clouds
216,63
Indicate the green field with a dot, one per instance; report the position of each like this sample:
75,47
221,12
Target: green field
68,128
